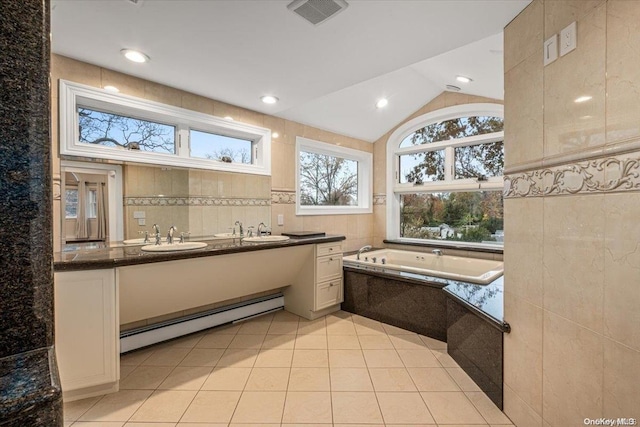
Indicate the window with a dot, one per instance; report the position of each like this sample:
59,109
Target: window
99,124
445,177
92,204
71,203
331,179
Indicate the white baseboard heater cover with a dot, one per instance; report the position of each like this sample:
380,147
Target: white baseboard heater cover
149,335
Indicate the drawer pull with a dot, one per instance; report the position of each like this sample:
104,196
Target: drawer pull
331,284
330,249
330,259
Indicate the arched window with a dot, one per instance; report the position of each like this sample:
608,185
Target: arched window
445,177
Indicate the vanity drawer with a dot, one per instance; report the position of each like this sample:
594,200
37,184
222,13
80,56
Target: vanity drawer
328,267
333,248
328,293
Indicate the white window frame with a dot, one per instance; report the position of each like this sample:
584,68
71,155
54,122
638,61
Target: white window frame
74,94
365,177
395,189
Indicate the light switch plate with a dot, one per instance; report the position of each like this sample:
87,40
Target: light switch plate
550,49
142,221
280,219
568,39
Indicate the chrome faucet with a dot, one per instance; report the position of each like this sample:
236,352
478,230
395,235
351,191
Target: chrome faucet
437,252
261,227
239,224
146,236
365,248
170,234
184,233
156,233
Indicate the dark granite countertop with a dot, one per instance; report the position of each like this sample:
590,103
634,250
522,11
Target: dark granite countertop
485,300
102,256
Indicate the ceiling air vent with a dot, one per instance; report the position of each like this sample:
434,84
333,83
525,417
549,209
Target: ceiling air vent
317,11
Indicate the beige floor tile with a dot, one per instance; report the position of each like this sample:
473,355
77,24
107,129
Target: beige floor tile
260,407
355,408
310,359
125,370
239,357
451,408
202,425
407,342
433,343
307,407
268,379
283,328
73,410
360,425
67,423
150,425
444,359
309,379
419,358
164,406
215,341
346,359
343,342
188,341
375,342
247,341
369,330
285,316
135,358
118,406
186,378
102,424
487,408
274,358
227,379
462,379
203,357
312,327
394,330
391,379
382,359
280,342
166,357
145,378
338,316
311,342
433,379
404,408
254,327
253,425
231,329
350,379
212,407
341,328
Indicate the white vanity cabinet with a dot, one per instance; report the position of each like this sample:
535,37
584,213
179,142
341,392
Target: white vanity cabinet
86,332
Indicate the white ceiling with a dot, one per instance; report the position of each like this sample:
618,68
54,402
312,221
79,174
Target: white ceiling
328,76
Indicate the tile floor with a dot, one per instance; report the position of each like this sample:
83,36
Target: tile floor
280,369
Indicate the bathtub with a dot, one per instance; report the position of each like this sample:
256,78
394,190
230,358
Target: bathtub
448,267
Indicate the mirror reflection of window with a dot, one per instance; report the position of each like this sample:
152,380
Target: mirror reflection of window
71,203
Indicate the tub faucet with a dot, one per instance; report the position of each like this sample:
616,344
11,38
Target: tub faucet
170,234
262,227
365,248
437,252
239,224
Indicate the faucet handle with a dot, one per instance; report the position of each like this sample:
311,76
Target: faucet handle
250,231
182,234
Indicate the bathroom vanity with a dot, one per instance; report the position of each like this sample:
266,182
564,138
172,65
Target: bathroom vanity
97,290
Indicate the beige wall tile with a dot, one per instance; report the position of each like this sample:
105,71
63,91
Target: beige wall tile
622,268
559,14
197,103
621,387
518,411
523,125
523,350
523,249
72,70
161,93
623,71
574,258
571,126
572,372
126,84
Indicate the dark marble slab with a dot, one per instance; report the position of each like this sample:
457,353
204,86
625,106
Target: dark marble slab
409,304
477,347
100,256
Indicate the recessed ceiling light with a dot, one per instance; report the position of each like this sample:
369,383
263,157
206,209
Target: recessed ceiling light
584,98
464,79
228,118
452,88
275,134
269,99
110,88
134,55
382,102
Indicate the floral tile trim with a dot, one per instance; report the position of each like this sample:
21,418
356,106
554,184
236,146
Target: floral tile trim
283,197
194,201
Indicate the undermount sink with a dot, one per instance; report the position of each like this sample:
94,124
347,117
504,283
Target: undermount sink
226,235
265,239
140,241
187,246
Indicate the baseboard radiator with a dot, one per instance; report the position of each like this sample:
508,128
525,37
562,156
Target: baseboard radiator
148,335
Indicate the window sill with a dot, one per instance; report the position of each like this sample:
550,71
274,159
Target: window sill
447,245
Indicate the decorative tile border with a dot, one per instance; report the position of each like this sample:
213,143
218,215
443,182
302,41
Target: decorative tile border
283,197
379,199
194,201
607,174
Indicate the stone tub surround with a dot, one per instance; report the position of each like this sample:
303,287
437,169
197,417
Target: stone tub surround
29,386
119,256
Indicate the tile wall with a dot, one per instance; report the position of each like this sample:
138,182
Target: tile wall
572,275
281,195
